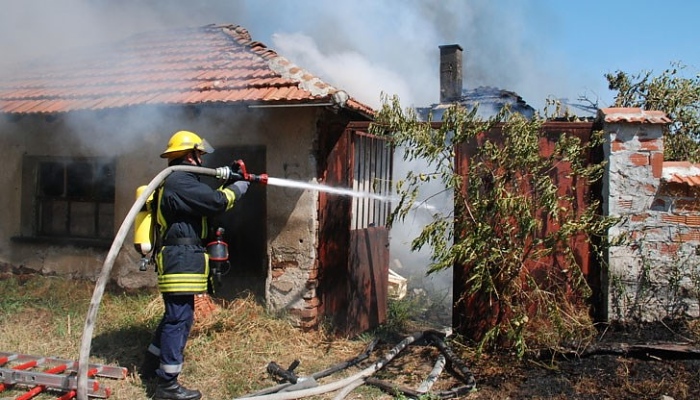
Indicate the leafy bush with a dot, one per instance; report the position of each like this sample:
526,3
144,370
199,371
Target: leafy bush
505,192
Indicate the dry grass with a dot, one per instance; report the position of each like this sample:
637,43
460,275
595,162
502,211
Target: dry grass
226,356
228,352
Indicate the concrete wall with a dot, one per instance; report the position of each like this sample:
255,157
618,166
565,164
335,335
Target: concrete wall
654,260
137,137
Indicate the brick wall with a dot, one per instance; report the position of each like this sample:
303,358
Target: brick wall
654,257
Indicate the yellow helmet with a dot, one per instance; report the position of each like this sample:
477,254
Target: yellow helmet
183,141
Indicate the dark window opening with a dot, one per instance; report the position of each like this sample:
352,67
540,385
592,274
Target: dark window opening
74,198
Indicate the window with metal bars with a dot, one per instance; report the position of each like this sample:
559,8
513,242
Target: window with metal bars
372,173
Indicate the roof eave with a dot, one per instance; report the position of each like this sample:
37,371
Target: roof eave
350,104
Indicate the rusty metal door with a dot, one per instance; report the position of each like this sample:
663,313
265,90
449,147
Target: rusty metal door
353,237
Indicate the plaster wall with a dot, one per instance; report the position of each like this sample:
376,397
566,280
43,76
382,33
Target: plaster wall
136,137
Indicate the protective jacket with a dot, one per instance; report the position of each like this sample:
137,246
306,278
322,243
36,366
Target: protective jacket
184,204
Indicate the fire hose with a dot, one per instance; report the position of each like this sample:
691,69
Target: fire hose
326,372
349,388
433,376
465,375
86,341
347,385
340,384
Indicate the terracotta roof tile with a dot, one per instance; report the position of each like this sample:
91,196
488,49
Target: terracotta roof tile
633,115
214,63
681,172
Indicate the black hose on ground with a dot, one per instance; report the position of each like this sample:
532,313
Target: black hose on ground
285,374
394,389
364,377
456,362
326,372
337,385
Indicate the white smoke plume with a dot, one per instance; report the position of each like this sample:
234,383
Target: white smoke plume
368,46
365,47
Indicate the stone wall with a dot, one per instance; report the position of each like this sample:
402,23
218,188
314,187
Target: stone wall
653,261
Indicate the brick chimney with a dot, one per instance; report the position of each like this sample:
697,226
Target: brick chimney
450,73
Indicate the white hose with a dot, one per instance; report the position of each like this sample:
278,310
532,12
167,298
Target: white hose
349,388
329,387
433,375
109,263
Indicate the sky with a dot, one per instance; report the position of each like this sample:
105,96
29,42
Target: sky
537,48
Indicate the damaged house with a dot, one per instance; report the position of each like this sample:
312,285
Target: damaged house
84,130
487,99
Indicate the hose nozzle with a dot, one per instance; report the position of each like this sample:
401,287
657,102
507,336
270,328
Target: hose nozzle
253,178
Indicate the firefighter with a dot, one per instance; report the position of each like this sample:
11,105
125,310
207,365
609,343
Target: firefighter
183,205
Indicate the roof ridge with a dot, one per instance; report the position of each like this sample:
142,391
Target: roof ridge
188,65
306,80
242,36
279,64
633,114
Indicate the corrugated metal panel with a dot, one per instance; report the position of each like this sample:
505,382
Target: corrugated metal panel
214,63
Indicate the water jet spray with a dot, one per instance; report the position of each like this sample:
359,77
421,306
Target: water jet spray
240,172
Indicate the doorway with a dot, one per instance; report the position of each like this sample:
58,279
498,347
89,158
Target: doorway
245,226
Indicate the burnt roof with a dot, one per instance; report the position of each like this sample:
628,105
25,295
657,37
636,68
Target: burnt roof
488,99
213,64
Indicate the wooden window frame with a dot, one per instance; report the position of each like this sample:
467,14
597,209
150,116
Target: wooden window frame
68,200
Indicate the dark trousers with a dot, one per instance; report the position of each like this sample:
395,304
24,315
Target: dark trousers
172,332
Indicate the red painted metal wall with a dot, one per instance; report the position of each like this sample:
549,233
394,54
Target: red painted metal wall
474,314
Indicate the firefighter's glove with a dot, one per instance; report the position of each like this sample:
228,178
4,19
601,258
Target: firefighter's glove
239,188
233,178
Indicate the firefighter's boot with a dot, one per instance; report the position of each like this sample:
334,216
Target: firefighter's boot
174,391
150,364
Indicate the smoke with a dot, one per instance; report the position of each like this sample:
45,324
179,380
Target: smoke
344,68
365,47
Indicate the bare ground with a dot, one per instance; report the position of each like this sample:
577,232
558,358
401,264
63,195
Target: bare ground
659,361
641,374
643,361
